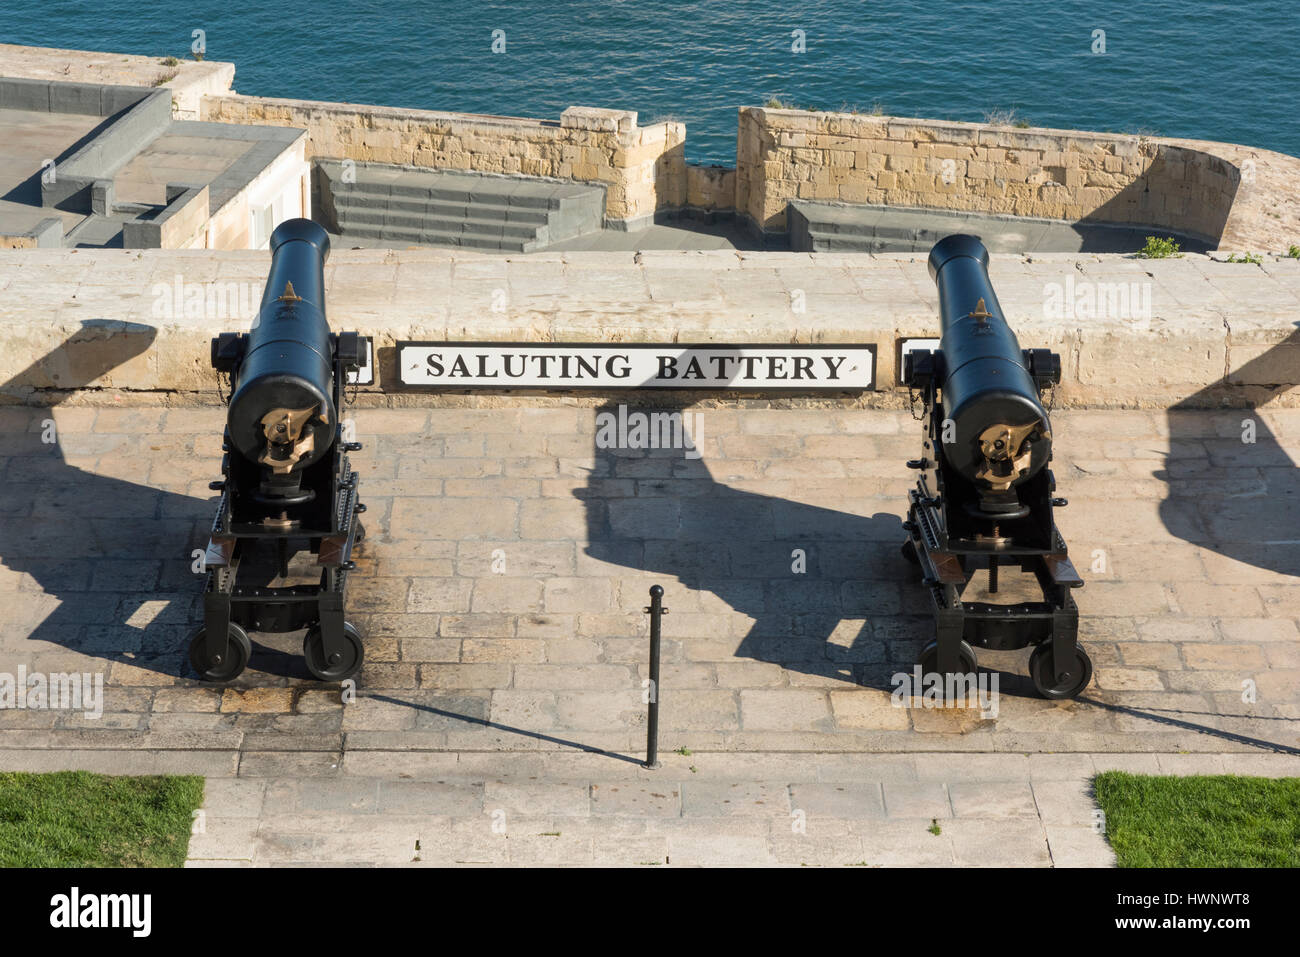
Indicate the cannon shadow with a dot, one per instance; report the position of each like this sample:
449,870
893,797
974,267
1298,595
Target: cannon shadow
856,612
105,561
1235,489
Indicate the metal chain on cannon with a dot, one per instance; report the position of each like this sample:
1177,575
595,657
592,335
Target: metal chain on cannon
912,396
224,394
351,398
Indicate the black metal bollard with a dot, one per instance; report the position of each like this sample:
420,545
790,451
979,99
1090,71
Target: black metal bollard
656,611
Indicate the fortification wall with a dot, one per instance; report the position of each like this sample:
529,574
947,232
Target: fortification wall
1233,196
641,167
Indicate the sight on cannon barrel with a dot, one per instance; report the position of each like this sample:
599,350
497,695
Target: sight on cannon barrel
984,497
288,487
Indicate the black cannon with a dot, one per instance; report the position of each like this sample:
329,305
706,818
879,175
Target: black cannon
288,488
985,496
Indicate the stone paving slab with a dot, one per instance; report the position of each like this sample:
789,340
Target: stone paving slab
684,819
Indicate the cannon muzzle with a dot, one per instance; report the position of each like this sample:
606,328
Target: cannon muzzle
998,434
282,413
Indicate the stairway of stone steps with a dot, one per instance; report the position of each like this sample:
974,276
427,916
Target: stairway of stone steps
403,205
838,227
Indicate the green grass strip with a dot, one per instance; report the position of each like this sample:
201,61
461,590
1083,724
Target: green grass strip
78,819
1201,820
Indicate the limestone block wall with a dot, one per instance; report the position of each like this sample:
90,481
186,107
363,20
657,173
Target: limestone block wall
1185,186
192,84
710,187
641,167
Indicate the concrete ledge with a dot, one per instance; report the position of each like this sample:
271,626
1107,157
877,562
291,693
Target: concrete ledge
138,323
106,153
47,234
44,96
187,80
181,221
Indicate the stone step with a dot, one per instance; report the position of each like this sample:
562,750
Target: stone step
402,204
825,242
438,237
361,201
443,222
824,227
381,192
461,187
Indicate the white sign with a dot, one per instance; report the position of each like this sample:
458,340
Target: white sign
559,365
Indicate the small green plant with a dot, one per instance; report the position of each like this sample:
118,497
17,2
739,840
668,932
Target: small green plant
999,117
876,109
1160,247
1246,258
776,103
683,751
934,827
170,61
1293,252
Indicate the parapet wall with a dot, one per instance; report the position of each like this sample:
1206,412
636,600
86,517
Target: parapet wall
641,167
187,80
1230,196
134,327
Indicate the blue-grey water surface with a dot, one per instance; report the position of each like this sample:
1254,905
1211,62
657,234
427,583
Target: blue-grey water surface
1221,71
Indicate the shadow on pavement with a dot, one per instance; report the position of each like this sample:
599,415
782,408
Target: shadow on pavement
110,557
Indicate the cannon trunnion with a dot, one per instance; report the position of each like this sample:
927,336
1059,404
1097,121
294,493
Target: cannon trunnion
984,497
288,487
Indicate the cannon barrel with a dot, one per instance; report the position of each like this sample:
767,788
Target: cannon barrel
282,412
1000,432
